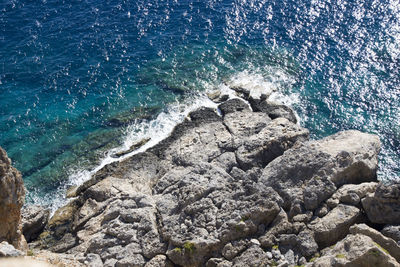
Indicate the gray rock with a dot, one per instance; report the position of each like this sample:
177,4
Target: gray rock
131,260
232,249
218,262
352,194
355,250
7,250
314,170
392,231
252,257
204,208
335,225
65,243
386,243
384,205
34,219
159,261
233,105
217,96
93,260
275,110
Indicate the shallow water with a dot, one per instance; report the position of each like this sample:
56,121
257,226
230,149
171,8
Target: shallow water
80,80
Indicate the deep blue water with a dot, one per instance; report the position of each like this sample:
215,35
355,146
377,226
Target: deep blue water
81,77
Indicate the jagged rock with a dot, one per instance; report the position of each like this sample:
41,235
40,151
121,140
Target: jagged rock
218,262
217,96
232,249
275,110
253,256
384,205
386,243
12,195
204,208
7,250
260,140
93,260
352,194
335,225
392,231
314,170
355,250
233,105
159,261
303,243
34,219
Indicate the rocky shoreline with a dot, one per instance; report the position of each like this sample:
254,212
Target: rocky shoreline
241,185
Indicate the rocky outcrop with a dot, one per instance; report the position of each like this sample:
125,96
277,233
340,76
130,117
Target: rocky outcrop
239,186
383,206
34,219
12,195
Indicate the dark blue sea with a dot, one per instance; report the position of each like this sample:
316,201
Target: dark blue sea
83,79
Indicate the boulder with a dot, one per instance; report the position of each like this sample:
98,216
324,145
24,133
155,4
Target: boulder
7,250
12,196
352,194
233,105
383,206
392,231
355,250
275,110
386,243
34,220
315,169
335,225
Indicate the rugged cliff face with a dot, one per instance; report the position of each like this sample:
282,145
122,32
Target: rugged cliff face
241,186
12,196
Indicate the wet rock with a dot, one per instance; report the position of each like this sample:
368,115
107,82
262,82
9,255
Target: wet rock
355,250
275,110
12,195
383,206
34,220
7,250
233,105
314,170
132,148
335,225
217,96
386,243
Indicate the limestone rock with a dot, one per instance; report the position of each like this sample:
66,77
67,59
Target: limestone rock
34,219
12,195
392,231
384,205
233,105
314,170
352,194
355,250
159,261
7,250
386,243
275,110
335,225
202,208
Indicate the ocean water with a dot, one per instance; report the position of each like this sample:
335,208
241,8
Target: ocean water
83,79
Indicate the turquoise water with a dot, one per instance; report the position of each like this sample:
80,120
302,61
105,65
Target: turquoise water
81,79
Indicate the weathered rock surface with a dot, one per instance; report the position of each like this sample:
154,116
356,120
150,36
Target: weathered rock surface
313,171
383,206
335,225
386,243
7,250
392,231
239,187
34,219
355,250
12,195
